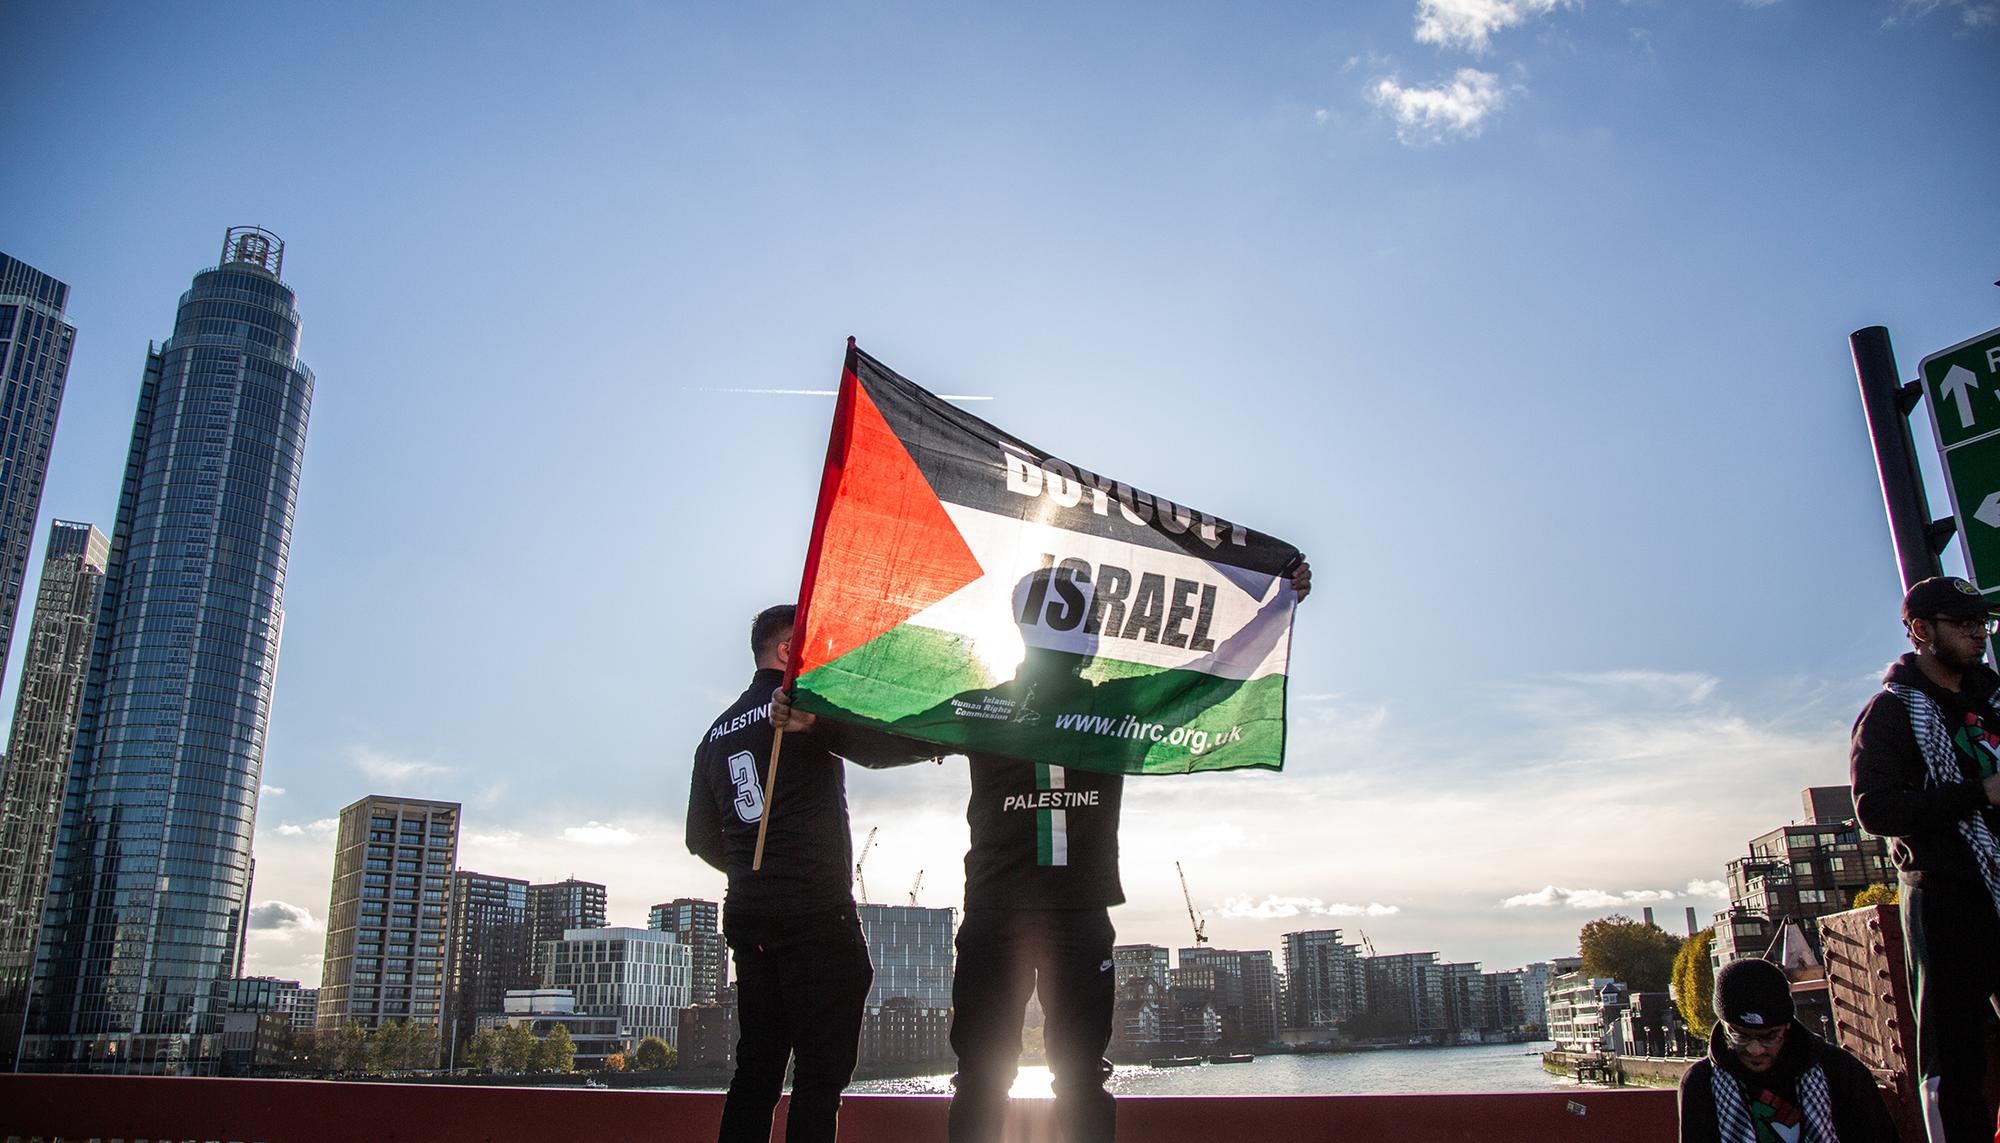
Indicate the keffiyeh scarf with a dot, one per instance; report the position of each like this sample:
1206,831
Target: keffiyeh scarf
1735,1121
1941,769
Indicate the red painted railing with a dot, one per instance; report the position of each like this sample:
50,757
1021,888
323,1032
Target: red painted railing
112,1108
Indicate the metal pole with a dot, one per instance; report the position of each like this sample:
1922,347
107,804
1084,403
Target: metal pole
1887,406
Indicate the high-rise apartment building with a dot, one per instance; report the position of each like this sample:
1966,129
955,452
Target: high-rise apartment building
1327,981
556,908
697,924
35,343
151,875
486,953
1246,991
38,750
1406,995
912,951
386,922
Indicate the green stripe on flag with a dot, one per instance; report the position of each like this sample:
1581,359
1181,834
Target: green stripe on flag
1085,712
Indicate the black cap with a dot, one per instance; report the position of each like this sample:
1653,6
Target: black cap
1945,595
1753,994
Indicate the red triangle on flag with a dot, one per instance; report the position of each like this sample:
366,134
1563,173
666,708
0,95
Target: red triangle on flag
886,549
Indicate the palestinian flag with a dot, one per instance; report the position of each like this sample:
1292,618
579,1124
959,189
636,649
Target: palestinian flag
968,589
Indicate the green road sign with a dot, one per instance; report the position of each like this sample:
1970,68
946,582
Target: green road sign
1962,388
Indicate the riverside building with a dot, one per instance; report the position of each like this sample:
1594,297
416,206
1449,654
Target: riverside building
556,908
386,923
697,924
35,344
144,915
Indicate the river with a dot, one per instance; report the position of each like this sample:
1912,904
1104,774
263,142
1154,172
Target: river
1477,1068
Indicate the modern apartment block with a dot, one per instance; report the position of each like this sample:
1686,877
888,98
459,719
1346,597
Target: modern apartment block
144,915
641,976
35,344
1582,1010
487,951
555,909
1139,962
38,750
1246,992
697,924
1406,994
911,947
1800,872
387,921
1326,982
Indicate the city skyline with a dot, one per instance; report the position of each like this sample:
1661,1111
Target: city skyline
1545,368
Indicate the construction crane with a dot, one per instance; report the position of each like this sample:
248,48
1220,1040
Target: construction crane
1366,943
913,889
1194,918
859,880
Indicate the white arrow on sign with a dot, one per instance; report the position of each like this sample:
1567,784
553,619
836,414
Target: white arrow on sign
1958,384
1989,511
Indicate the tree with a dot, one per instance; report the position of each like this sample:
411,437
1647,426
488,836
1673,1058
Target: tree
1633,952
1876,895
420,1046
653,1054
392,1046
482,1049
615,1062
350,1051
556,1052
1694,982
517,1049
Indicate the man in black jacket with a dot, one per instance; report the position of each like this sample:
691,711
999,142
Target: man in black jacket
1923,765
802,968
1769,1080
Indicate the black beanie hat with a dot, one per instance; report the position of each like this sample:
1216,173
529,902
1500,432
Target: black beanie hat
1753,994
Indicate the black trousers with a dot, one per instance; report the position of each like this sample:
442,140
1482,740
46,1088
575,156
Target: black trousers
1952,940
1003,955
801,983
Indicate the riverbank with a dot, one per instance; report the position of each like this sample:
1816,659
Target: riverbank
1617,1071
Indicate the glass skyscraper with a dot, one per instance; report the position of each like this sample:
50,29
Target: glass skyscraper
35,343
147,892
38,751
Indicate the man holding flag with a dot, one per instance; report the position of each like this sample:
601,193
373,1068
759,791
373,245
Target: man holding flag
1061,629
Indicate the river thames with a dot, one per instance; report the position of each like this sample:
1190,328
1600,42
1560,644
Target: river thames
1479,1068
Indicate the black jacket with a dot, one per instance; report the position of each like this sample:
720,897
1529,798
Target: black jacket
1892,799
1859,1114
808,851
1043,837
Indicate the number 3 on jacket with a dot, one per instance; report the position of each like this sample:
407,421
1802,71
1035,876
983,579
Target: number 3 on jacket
749,794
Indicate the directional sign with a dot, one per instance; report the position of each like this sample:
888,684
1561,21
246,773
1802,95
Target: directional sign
1962,387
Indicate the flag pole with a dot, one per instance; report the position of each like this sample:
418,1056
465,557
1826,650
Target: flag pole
829,483
770,785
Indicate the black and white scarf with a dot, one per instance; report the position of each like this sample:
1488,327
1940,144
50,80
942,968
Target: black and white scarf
1941,769
1732,1108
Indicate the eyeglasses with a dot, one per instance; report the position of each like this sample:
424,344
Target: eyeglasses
1989,625
1743,1038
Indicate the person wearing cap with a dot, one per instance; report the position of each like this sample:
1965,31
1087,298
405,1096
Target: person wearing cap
1767,1079
1923,765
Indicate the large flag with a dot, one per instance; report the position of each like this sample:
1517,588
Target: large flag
968,589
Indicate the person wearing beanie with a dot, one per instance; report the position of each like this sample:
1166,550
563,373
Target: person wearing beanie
1767,1079
1923,765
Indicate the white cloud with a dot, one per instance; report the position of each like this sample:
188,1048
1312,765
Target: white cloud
1971,13
1458,109
499,838
1470,24
1708,889
271,791
324,827
283,917
383,768
1273,907
1549,896
600,834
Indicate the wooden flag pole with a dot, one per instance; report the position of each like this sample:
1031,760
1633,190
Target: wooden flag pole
770,784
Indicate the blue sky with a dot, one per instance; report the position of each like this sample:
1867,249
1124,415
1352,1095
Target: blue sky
1526,319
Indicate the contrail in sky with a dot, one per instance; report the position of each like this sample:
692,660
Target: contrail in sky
815,393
